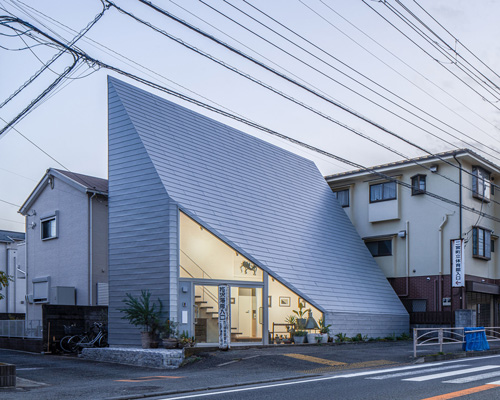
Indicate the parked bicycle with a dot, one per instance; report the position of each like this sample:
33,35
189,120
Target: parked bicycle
95,337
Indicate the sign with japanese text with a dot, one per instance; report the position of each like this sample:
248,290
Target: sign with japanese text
457,263
224,313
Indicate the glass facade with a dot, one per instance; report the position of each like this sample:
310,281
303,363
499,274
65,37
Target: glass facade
206,258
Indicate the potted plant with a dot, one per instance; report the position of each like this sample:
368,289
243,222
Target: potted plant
299,336
301,318
141,311
168,334
324,330
186,340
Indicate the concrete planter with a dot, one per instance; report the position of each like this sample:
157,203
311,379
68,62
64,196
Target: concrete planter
299,339
7,375
314,338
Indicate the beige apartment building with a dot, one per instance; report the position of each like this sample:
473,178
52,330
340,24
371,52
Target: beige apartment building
409,215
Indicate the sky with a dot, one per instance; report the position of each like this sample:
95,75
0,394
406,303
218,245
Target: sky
366,73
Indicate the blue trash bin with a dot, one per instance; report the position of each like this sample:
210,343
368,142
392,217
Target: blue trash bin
475,339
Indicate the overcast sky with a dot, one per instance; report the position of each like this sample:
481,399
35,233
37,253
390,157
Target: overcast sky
343,37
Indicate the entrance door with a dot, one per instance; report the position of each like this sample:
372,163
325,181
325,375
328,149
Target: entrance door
206,314
246,314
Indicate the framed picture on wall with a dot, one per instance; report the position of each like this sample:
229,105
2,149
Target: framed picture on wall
301,301
270,301
284,301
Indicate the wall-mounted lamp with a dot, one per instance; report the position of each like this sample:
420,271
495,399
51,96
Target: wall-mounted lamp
433,168
428,278
402,234
33,225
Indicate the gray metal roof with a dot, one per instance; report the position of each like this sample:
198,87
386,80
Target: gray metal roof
10,236
268,203
424,159
90,182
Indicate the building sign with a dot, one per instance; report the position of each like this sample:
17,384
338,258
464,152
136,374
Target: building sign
457,263
224,323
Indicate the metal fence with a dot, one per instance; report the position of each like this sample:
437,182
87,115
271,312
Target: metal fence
447,336
21,329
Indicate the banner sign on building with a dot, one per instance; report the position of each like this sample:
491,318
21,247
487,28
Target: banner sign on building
457,263
224,323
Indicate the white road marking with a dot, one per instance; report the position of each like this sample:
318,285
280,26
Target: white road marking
397,375
473,378
326,378
28,369
446,374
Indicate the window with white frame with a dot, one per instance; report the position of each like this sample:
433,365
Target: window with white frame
481,185
48,227
342,197
382,192
481,243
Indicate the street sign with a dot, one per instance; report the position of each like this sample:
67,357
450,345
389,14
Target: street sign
224,324
457,263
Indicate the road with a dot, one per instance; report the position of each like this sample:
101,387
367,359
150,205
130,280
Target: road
475,378
368,371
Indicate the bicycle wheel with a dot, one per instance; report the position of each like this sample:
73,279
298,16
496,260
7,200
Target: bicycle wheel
63,344
74,343
103,341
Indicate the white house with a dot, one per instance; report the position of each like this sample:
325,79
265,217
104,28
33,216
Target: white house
66,241
12,264
408,218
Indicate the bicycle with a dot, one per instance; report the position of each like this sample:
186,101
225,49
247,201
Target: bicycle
95,337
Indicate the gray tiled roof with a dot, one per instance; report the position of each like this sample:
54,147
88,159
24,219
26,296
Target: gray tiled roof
269,203
90,182
10,236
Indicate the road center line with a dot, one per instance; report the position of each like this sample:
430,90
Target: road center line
461,393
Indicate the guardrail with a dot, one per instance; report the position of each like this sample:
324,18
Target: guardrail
21,329
446,336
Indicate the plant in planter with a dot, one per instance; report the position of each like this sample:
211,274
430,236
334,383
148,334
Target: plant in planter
301,317
324,330
168,334
299,336
186,340
141,311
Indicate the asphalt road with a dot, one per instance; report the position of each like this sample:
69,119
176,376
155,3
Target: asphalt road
472,378
54,377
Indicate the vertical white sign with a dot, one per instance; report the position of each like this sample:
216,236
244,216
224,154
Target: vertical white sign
457,263
224,324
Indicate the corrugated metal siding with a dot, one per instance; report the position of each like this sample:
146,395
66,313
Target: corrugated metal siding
139,224
269,203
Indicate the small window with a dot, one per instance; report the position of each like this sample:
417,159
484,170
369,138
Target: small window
49,228
481,243
380,248
342,197
481,185
417,185
383,192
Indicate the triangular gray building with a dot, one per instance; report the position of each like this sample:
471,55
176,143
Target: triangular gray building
194,204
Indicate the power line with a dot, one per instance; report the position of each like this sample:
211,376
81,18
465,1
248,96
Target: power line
80,54
274,90
353,79
370,37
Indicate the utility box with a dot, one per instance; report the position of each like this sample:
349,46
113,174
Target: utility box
63,295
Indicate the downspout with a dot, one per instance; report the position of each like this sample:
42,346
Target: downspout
90,250
460,221
407,261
